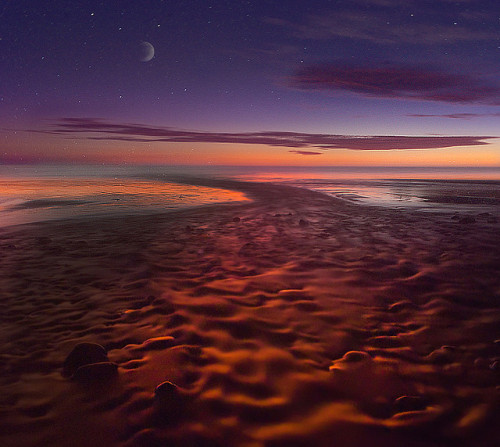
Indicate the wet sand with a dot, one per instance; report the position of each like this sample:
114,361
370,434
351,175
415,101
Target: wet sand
296,319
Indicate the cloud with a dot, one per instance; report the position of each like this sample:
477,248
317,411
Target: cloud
463,116
301,143
393,22
306,152
396,82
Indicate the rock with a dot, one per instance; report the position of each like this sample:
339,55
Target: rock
409,403
43,240
158,343
467,220
83,354
303,223
481,363
441,355
401,305
168,398
454,370
248,249
96,372
385,341
236,219
166,391
356,356
495,366
80,244
351,359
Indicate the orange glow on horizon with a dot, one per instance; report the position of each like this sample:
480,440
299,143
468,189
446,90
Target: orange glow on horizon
49,149
258,155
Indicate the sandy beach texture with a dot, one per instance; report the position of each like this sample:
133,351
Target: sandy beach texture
296,319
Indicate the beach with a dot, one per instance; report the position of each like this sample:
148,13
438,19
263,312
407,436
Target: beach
291,319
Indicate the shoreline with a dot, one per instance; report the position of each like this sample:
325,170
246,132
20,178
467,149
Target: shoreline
294,319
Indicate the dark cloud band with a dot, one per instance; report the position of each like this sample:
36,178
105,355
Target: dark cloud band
302,143
401,82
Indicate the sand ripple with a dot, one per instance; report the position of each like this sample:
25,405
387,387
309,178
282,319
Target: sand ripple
296,320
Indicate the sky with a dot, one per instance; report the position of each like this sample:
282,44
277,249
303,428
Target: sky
318,82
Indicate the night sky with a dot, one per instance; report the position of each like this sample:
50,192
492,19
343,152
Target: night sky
359,82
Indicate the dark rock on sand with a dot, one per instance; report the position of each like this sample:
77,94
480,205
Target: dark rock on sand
481,363
401,305
96,372
467,220
83,354
409,403
303,223
441,355
351,360
236,219
248,249
385,341
166,392
168,399
356,356
43,240
158,343
490,218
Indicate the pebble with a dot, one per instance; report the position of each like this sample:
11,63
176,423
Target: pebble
481,363
158,343
43,240
356,356
409,403
441,355
350,359
94,372
454,369
467,220
401,305
385,341
83,354
167,396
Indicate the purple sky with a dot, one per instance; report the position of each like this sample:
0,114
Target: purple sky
289,79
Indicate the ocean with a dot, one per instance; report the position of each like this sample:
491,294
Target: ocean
39,193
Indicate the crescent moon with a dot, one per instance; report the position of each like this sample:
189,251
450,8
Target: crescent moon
146,51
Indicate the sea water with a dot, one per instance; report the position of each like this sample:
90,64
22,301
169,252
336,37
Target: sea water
39,193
